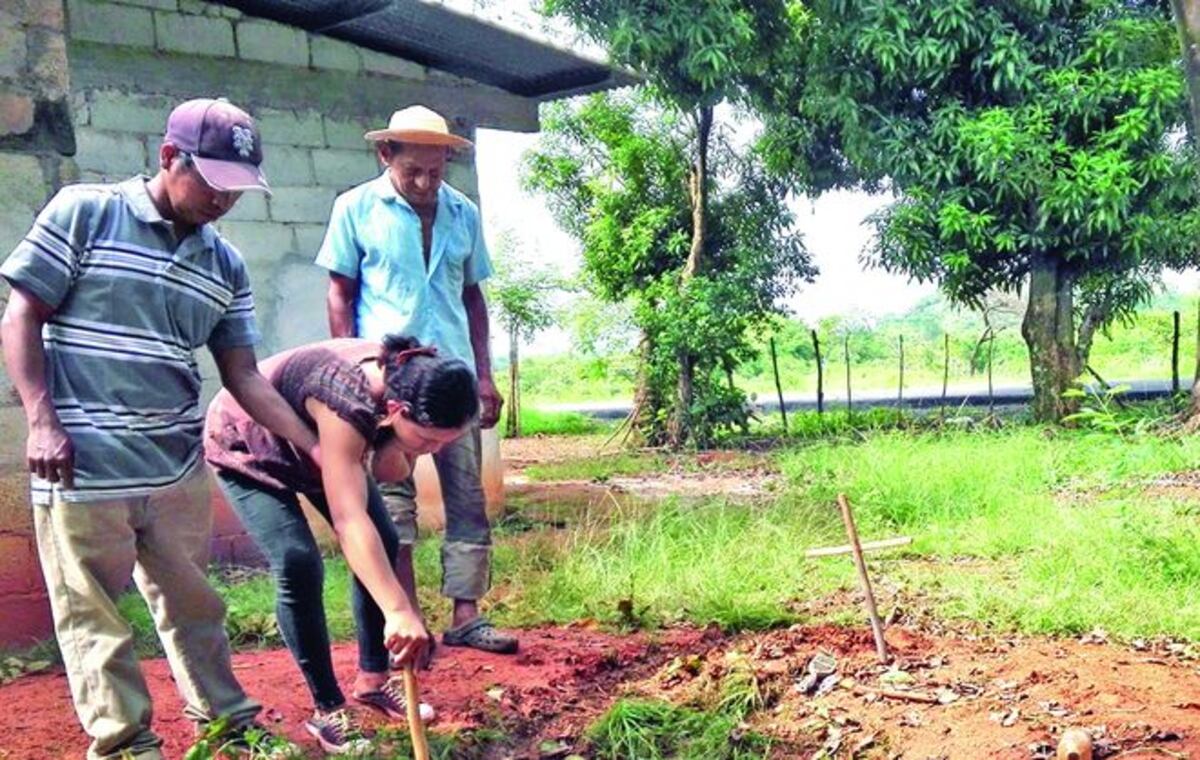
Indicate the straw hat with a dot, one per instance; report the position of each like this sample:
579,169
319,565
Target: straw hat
420,126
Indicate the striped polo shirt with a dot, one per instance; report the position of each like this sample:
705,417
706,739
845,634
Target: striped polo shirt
130,307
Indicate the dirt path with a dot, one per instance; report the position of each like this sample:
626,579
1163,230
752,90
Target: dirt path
1003,697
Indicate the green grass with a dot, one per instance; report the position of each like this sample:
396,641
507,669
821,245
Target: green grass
652,730
1139,349
1066,543
1031,529
538,422
1059,540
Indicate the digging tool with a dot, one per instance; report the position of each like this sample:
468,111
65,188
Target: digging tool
416,726
863,579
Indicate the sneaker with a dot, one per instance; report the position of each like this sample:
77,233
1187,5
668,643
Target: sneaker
389,699
338,732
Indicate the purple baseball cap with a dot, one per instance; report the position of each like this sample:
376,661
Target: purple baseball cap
224,141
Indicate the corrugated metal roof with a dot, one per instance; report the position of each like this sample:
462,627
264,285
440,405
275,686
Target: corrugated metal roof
435,36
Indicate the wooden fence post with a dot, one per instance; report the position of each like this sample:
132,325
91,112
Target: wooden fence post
820,374
945,372
1175,353
900,392
778,385
849,400
512,421
1196,374
991,391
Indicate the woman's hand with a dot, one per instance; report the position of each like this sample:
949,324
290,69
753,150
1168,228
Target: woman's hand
405,636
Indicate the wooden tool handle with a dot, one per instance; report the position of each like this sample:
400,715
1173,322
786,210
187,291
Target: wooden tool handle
863,579
416,727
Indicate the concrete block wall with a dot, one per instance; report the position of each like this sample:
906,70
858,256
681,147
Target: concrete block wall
35,147
313,143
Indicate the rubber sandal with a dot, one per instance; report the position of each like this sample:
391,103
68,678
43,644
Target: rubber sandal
482,635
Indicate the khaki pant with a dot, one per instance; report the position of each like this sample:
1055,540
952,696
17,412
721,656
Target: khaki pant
467,545
89,551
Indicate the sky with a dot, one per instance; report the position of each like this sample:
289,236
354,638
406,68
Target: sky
832,226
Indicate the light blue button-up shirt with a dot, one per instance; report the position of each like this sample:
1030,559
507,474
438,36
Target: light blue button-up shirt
374,236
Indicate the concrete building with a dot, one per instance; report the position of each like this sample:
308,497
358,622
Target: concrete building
85,88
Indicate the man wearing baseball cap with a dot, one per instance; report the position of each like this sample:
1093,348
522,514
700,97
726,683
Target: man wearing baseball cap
113,289
406,253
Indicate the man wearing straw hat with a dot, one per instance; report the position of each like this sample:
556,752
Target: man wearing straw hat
406,254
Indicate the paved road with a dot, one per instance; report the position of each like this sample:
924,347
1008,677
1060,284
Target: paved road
917,398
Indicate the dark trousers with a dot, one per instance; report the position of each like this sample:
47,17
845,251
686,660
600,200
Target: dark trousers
275,521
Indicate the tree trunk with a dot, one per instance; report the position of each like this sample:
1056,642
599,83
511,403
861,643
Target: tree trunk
778,384
699,188
1049,332
1093,316
644,406
1187,21
678,429
512,423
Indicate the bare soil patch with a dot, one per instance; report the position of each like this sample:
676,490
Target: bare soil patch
1001,697
519,453
995,696
734,474
560,682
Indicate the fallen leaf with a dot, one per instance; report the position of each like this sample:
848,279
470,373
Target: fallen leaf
896,678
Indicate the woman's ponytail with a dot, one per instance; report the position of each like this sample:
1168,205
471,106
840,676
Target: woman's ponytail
441,393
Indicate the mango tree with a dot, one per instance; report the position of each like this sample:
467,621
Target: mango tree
694,55
614,170
1032,145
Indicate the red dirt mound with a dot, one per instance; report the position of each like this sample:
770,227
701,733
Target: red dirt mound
564,675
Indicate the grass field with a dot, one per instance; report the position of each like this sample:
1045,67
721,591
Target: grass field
1140,349
1025,528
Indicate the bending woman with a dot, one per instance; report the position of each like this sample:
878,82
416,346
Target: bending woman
375,407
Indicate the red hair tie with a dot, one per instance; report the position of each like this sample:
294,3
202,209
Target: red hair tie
400,357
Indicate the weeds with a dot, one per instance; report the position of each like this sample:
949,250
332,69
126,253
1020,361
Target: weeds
741,691
250,743
653,730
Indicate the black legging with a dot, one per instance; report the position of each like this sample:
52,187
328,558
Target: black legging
275,521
